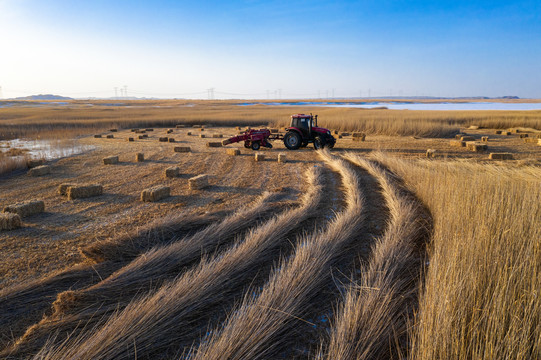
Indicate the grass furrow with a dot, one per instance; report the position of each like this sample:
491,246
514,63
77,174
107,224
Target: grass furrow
372,321
177,314
263,326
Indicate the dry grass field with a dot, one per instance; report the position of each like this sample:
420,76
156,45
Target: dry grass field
376,249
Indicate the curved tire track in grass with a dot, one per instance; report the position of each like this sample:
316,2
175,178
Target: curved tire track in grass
264,325
372,321
180,311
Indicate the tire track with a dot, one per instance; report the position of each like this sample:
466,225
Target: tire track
177,314
147,271
372,321
267,324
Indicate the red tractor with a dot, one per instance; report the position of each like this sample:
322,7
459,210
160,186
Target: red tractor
304,130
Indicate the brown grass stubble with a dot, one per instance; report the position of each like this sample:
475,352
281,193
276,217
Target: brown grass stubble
481,294
372,321
26,303
87,305
62,122
177,313
264,325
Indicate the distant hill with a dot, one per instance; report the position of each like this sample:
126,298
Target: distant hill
43,97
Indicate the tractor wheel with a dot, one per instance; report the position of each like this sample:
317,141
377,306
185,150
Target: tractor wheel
256,145
292,140
319,143
246,144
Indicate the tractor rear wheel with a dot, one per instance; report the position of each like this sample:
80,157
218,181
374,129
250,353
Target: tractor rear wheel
292,140
256,145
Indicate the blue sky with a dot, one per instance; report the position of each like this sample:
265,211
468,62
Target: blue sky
260,49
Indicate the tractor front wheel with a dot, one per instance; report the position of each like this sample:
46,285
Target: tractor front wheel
246,144
256,145
319,143
292,140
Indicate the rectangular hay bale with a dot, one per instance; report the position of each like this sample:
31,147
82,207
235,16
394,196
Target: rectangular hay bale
431,153
202,136
498,132
40,170
467,138
232,152
10,221
500,156
522,136
113,130
26,208
217,136
457,143
110,136
476,147
63,188
198,182
163,139
282,158
172,172
171,139
214,144
189,133
130,139
139,157
97,136
484,138
182,149
110,160
259,157
84,191
155,193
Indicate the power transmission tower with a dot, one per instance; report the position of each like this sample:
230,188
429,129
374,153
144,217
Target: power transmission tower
125,90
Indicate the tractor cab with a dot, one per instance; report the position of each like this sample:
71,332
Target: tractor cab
304,123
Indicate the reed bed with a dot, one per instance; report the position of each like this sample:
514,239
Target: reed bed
481,297
179,311
78,119
148,271
262,326
373,318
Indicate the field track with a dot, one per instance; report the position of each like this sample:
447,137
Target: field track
336,276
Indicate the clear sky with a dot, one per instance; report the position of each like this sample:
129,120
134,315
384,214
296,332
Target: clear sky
260,49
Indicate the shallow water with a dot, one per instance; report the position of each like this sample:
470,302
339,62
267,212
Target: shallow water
45,149
416,106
